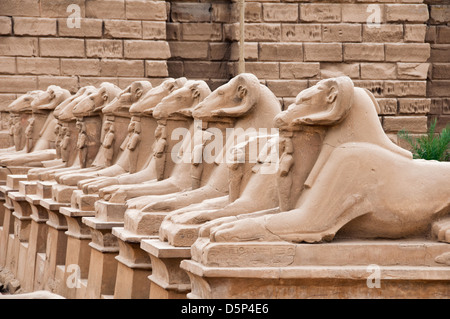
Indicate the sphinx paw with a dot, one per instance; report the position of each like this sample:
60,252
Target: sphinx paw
250,229
440,230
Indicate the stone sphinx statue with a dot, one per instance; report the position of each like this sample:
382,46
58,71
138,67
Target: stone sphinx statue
40,132
65,142
245,103
19,112
135,99
361,185
174,111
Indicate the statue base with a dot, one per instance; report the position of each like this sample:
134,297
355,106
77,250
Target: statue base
168,280
83,201
341,269
78,251
133,267
104,248
7,228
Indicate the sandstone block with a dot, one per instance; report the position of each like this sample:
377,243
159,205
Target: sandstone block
19,46
104,48
320,12
363,13
48,66
405,88
263,70
374,86
156,69
323,52
89,28
113,67
201,32
153,30
18,84
223,12
330,70
7,65
436,106
443,34
407,52
280,12
250,51
188,12
122,29
415,32
96,81
445,106
363,52
412,71
146,10
412,124
387,106
262,32
189,50
299,70
287,87
145,49
61,47
175,68
281,52
83,67
341,32
301,32
34,26
23,8
58,9
441,71
205,69
5,100
438,88
406,12
5,26
383,33
67,82
105,9
414,106
378,71
440,53
439,14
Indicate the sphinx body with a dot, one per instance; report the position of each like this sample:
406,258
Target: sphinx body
361,185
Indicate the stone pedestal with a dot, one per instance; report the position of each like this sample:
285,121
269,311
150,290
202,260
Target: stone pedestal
81,201
78,250
56,246
133,268
62,193
37,239
341,269
104,248
168,280
22,226
8,223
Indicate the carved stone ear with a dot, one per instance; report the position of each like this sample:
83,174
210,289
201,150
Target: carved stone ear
138,92
242,91
195,93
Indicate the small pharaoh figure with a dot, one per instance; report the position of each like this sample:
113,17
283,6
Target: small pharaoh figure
11,130
284,178
58,138
132,145
197,157
236,161
159,152
108,141
29,134
17,133
65,141
82,143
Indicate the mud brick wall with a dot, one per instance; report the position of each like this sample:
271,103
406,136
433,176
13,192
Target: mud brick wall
438,85
290,45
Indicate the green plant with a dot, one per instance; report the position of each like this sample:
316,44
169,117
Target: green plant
431,146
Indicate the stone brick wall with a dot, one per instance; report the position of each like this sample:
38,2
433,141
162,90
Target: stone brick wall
290,45
438,85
